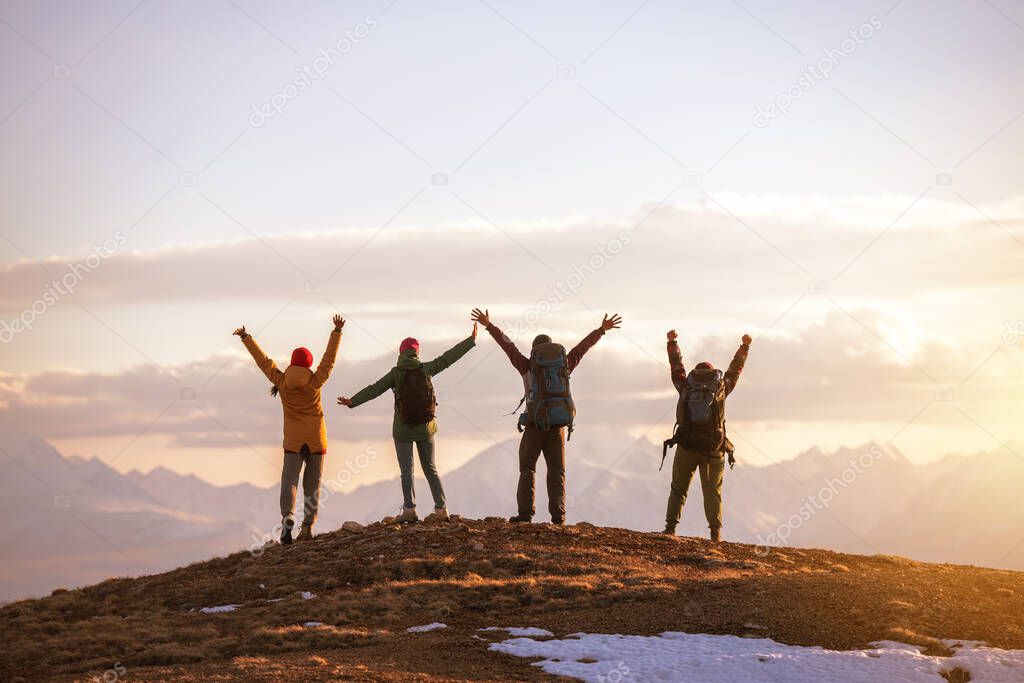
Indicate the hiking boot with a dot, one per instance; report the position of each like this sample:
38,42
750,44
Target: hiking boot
406,516
715,535
286,531
669,530
438,515
558,521
520,519
305,533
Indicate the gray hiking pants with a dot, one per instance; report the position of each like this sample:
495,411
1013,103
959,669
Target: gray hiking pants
293,463
405,464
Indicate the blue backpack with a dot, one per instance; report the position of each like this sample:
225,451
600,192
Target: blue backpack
548,398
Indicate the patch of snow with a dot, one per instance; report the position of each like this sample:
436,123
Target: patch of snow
306,595
219,609
674,656
428,627
312,624
519,631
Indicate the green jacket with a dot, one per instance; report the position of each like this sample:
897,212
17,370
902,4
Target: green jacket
410,361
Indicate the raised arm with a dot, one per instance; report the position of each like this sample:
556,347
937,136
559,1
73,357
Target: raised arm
677,369
323,371
265,364
576,355
732,375
520,362
449,357
371,392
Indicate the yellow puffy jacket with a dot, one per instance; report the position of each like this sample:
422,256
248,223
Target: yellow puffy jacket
300,395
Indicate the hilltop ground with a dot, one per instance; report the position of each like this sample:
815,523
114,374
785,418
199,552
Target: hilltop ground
365,588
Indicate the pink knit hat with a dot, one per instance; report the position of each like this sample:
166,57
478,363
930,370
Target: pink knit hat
409,343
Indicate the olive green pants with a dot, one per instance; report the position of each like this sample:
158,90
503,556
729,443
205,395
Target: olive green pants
712,470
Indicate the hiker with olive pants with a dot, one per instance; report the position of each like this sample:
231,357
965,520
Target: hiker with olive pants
548,419
414,423
700,438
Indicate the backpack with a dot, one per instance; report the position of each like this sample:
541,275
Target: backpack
700,413
417,403
548,398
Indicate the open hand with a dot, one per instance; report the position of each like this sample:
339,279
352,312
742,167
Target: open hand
611,323
474,330
672,336
240,331
339,322
747,340
345,401
482,317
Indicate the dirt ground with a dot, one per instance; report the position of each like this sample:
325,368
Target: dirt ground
370,586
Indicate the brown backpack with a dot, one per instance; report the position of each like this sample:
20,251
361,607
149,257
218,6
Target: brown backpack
700,412
417,403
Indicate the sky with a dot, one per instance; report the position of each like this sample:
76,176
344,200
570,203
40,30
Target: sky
840,180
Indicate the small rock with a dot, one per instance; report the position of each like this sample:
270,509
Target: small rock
353,527
478,546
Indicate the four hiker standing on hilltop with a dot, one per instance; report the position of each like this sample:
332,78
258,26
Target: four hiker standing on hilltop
546,422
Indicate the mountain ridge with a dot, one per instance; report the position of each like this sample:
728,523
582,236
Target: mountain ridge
958,509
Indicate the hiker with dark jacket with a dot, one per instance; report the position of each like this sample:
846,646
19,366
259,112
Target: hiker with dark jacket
544,429
700,438
305,434
414,423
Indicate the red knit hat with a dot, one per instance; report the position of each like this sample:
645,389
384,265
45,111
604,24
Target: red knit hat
409,343
302,357
704,366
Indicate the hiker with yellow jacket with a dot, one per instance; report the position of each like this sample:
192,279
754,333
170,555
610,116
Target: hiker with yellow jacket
305,434
414,422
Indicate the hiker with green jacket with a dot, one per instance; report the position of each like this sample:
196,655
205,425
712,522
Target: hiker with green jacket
414,423
305,434
700,438
549,414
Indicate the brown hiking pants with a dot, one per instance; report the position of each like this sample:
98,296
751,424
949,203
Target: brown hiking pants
550,442
712,470
310,485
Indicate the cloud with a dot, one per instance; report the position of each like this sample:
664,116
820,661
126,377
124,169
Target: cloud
779,243
832,370
918,308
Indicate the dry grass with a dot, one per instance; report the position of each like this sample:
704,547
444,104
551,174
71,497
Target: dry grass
371,586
